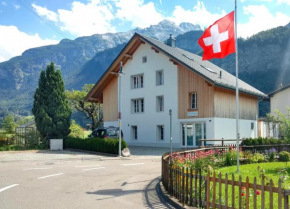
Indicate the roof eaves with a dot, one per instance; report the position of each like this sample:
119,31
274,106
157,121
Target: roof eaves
241,90
278,90
89,94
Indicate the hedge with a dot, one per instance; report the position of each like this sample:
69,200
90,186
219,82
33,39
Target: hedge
264,141
95,144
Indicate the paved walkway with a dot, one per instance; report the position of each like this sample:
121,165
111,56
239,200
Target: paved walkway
44,155
147,152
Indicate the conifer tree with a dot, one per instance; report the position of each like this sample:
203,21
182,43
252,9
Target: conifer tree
50,108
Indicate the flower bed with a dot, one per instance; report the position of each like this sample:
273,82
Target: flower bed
191,177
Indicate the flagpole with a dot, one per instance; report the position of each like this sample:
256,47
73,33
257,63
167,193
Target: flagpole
237,92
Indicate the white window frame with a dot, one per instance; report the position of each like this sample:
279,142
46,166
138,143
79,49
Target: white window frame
159,107
134,133
193,101
160,133
137,105
137,81
159,80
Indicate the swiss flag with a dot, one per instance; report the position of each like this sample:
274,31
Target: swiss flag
218,40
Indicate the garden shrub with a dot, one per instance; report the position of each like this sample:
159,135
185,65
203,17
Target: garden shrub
272,156
230,158
95,144
264,141
257,158
284,156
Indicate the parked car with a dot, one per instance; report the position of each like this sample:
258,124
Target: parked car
106,132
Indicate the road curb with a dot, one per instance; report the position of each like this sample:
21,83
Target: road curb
173,201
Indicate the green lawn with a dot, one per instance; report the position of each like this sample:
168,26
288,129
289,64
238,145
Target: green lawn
251,170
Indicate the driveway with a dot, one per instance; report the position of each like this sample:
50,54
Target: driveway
45,179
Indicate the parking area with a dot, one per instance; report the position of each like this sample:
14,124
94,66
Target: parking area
67,179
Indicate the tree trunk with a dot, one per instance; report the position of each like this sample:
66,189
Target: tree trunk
93,122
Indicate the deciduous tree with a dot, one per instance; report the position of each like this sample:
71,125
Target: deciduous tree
77,101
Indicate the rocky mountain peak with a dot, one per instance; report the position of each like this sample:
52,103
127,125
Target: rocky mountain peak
189,26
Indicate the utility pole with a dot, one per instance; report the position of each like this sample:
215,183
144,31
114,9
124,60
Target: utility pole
170,115
119,74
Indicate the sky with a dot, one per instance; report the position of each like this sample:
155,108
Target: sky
27,24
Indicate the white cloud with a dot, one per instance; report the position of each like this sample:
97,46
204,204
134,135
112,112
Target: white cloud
260,1
139,14
96,16
198,15
82,19
42,11
260,19
16,6
284,1
14,42
4,3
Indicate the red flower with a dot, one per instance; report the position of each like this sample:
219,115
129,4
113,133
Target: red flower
258,192
243,194
243,188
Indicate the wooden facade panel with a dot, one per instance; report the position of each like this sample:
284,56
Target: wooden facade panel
225,104
110,100
189,82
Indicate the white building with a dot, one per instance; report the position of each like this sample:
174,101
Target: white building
159,77
279,100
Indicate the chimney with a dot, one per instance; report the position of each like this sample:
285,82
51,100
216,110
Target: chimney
281,85
170,41
220,74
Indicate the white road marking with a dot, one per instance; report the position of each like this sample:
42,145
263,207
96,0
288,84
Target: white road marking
92,168
26,169
58,174
13,185
133,164
86,166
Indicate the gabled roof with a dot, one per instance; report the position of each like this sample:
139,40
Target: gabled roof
278,90
205,69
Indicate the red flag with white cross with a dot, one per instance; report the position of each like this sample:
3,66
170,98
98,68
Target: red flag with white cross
218,40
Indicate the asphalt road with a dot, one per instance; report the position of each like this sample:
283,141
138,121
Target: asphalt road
98,182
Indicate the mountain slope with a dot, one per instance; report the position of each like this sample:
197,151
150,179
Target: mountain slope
19,76
94,69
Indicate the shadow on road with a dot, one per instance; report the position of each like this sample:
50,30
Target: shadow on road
152,197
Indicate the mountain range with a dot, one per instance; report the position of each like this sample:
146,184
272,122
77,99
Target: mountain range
19,76
263,61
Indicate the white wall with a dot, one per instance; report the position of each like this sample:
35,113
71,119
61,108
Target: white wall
280,100
267,130
111,123
147,122
226,128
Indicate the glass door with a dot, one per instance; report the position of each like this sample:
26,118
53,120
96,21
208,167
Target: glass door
189,135
192,133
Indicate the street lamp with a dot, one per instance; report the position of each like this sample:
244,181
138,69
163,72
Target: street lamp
119,74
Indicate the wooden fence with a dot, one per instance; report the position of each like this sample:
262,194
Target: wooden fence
194,188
